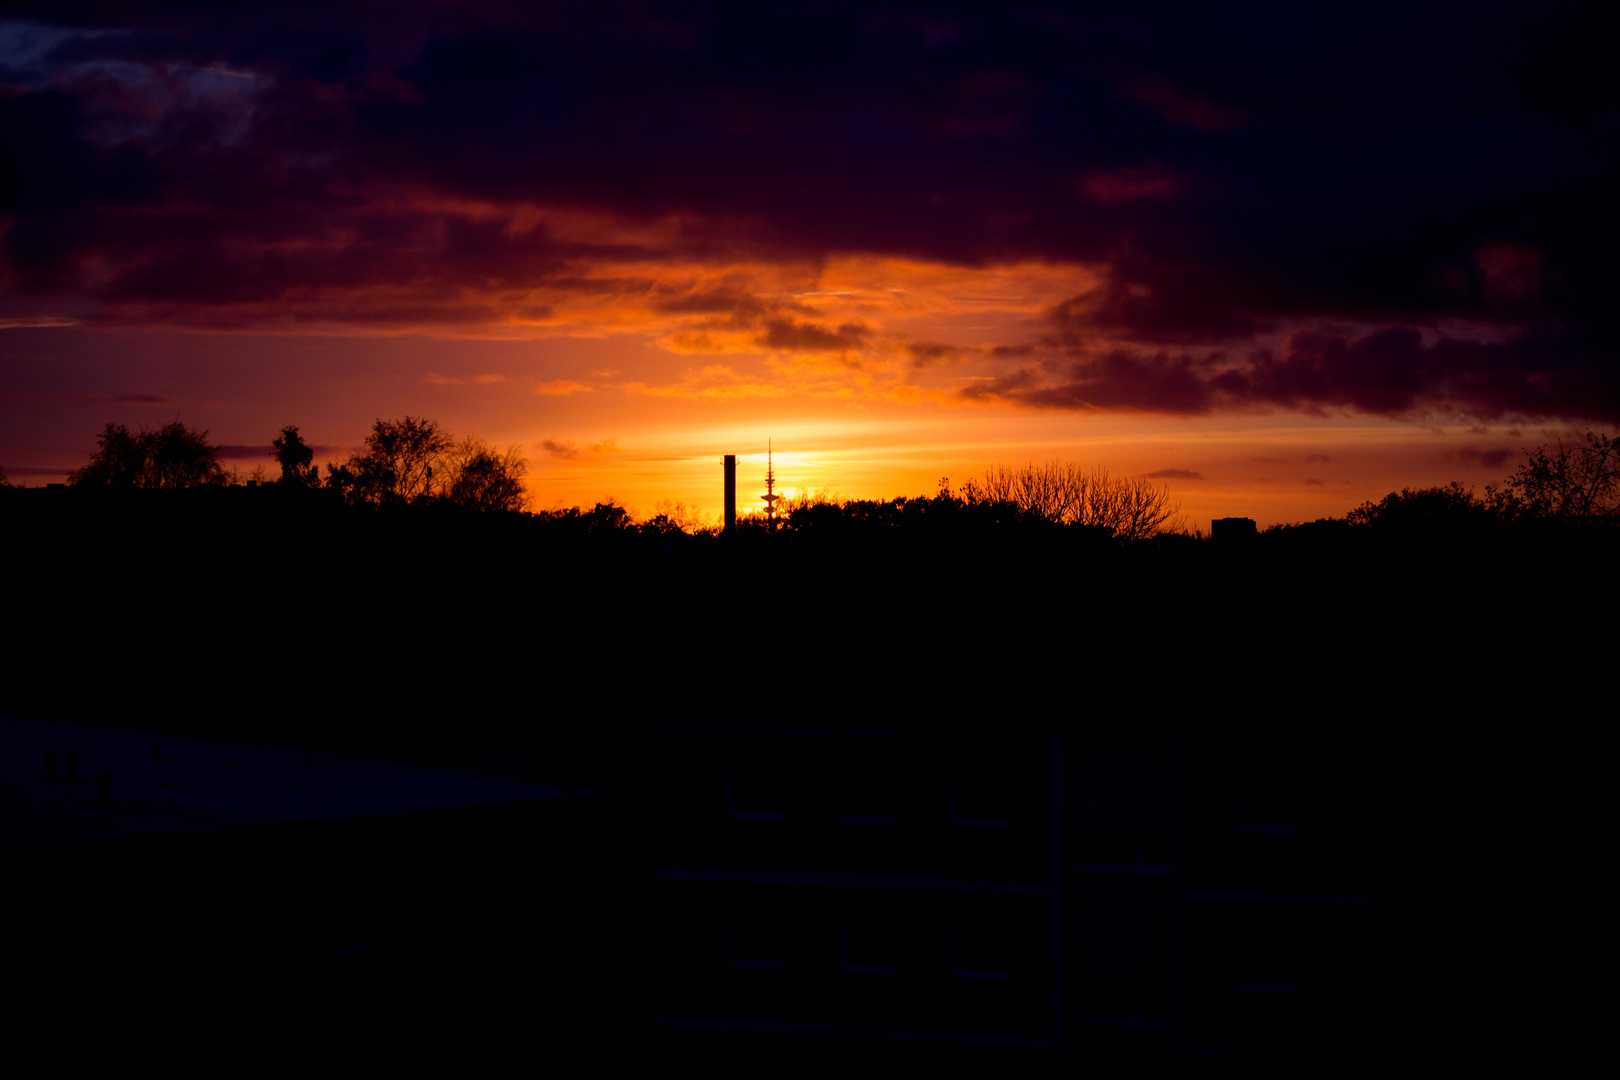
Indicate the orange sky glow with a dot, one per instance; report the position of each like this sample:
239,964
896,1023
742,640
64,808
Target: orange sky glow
632,239
638,377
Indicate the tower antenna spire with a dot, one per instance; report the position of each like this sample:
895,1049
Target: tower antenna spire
770,495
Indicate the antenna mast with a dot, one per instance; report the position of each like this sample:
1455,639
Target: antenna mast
770,495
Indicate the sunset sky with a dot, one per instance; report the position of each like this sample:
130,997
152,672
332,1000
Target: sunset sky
1282,257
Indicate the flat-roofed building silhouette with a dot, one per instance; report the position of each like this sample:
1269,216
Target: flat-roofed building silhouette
1231,528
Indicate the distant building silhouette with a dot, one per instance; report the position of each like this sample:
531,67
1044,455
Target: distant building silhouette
1231,528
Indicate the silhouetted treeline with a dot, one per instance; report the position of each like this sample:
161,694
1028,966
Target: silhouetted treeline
415,462
172,456
403,462
417,629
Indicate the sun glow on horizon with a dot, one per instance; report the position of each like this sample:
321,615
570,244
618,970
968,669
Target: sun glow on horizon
1275,470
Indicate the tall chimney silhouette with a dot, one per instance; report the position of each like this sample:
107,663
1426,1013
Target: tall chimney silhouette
730,523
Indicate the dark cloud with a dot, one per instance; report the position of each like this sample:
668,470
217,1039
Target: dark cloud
1116,380
808,337
1490,459
1156,303
1175,474
1178,105
238,451
1392,373
735,302
1013,386
566,451
1387,372
1128,183
91,399
572,451
926,354
1229,171
1318,458
739,306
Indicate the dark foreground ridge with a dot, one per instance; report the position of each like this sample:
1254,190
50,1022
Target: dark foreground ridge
906,791
279,614
199,902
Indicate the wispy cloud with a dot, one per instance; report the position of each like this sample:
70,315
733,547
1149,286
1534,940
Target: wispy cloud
712,381
1490,459
564,450
436,379
93,399
238,451
34,322
561,388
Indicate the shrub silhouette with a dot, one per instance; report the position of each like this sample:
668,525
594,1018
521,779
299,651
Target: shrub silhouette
296,459
1423,510
172,456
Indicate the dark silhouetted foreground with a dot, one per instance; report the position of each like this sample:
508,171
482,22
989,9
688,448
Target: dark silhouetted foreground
935,784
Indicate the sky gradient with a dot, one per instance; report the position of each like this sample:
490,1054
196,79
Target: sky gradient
1284,258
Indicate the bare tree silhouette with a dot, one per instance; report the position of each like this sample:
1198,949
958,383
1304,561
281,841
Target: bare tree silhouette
397,464
1578,482
1132,508
676,514
480,478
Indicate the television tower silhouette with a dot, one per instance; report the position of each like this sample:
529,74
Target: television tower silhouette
770,495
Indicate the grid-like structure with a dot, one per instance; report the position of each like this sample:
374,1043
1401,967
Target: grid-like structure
845,903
